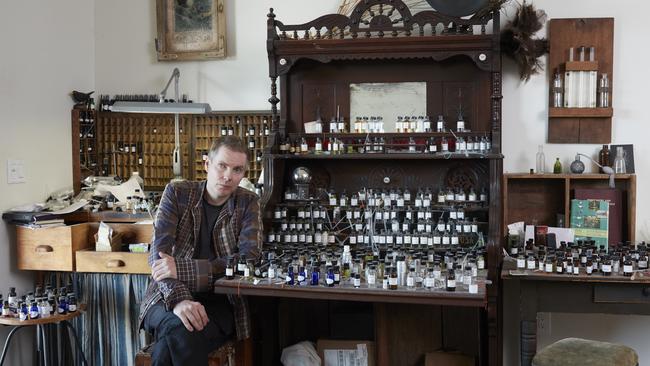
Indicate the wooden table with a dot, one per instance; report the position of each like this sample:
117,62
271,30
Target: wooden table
542,292
40,332
387,321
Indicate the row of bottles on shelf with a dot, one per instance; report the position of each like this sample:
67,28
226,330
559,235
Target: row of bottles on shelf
424,197
451,233
86,124
406,124
257,157
39,303
581,88
250,131
582,257
385,267
369,145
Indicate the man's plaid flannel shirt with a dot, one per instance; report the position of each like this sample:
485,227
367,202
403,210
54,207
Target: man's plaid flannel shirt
238,231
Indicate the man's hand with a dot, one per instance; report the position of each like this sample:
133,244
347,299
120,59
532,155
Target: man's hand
165,267
192,314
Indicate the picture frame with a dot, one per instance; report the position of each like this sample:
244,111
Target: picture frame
190,30
628,149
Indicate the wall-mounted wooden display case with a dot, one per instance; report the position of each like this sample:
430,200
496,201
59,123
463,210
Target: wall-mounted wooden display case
126,142
590,124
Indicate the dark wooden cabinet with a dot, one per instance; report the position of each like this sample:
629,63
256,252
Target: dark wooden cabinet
382,42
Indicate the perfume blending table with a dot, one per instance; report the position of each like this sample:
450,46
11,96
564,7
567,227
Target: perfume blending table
43,335
596,293
403,320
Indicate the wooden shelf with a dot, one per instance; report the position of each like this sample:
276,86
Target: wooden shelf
394,156
540,197
349,293
580,112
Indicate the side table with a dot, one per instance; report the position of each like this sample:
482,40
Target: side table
42,340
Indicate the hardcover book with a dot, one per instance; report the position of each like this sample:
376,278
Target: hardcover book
590,220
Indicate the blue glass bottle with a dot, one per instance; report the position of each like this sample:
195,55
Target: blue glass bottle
34,313
302,276
315,276
289,279
63,306
24,312
330,277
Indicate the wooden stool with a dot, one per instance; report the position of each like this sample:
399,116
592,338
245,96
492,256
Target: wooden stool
222,356
233,353
580,352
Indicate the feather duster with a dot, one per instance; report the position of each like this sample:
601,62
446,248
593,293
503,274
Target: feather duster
517,40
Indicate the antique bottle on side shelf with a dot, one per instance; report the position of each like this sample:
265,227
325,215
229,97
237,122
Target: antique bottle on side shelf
603,157
540,160
619,161
557,167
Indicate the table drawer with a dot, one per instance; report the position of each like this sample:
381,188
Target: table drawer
50,249
112,262
622,293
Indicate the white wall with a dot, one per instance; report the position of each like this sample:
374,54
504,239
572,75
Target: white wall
50,48
47,51
125,62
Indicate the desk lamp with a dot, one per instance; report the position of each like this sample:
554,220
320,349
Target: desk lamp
161,107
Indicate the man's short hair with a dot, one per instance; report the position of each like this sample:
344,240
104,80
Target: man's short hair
233,143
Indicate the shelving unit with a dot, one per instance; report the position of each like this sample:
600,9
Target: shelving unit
541,197
128,142
315,64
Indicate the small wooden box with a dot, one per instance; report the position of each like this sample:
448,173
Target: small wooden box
118,262
50,249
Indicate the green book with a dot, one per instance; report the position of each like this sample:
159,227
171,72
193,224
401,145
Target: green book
590,220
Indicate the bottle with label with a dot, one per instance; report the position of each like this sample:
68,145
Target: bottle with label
230,270
450,282
440,124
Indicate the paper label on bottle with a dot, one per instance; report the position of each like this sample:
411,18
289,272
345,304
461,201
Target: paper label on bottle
247,271
548,268
371,279
354,202
229,272
607,268
451,283
473,288
627,268
329,281
521,263
530,265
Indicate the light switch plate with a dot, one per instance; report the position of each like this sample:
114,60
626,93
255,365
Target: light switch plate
15,171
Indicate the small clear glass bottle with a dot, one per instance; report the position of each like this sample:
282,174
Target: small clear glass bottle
540,160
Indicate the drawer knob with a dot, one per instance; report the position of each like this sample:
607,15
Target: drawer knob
115,263
43,249
646,291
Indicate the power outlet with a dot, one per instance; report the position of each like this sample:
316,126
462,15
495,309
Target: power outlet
544,324
15,171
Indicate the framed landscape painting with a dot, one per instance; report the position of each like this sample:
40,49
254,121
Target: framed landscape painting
190,30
